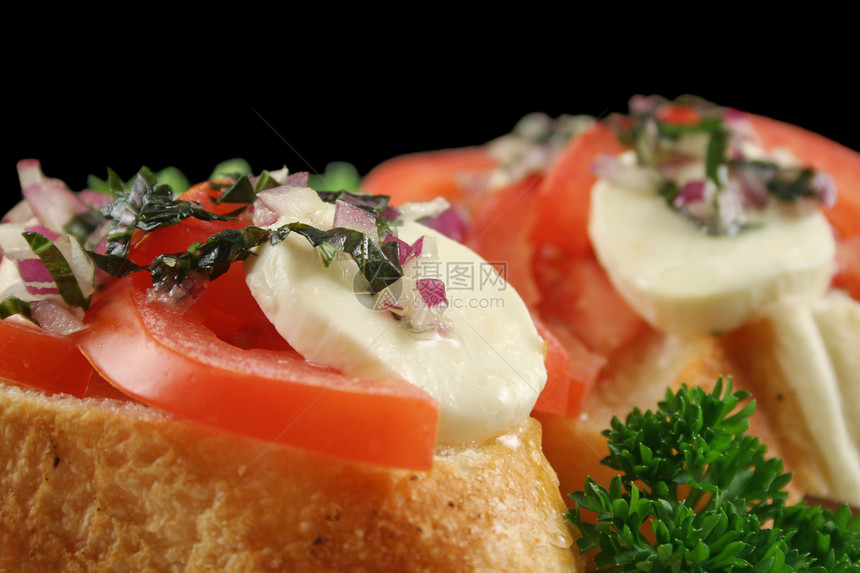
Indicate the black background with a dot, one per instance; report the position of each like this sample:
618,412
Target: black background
364,105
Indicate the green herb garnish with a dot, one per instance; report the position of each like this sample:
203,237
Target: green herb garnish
208,260
148,205
58,267
696,494
14,305
378,263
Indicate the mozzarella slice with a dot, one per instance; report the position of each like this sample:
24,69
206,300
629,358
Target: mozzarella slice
486,371
683,281
816,347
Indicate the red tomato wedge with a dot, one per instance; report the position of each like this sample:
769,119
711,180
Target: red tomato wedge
555,397
500,233
824,154
40,360
565,192
173,362
427,175
577,292
222,363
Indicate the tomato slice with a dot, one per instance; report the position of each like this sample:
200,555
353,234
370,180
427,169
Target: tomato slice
172,362
555,396
576,291
841,162
500,234
222,363
565,192
40,360
424,176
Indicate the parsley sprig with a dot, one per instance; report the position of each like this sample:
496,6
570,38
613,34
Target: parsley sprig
696,494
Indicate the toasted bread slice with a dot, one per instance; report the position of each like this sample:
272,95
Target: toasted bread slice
101,484
637,376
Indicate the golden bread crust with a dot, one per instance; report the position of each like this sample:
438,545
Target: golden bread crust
101,485
638,376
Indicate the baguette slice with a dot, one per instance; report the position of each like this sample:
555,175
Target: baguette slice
106,485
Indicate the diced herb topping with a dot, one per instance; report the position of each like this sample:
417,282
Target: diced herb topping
58,267
670,136
377,262
147,206
14,305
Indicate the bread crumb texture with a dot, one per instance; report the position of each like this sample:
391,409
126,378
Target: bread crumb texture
99,485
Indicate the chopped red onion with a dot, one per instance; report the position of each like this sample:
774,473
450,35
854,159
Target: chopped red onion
356,218
34,271
20,213
263,216
390,213
57,318
405,251
824,184
299,179
691,192
51,201
42,290
450,223
95,199
301,203
432,292
641,104
752,184
43,230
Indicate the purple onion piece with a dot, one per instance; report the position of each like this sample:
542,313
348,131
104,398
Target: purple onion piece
432,292
56,318
51,201
641,104
450,223
405,251
356,218
390,213
299,179
34,271
95,199
43,230
825,187
691,192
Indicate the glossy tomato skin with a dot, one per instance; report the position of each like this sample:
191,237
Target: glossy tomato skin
171,361
424,176
36,359
221,362
822,153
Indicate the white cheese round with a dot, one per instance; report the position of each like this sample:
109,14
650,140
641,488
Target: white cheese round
486,370
684,281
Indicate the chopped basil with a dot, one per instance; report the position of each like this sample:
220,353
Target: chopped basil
790,187
378,264
375,204
715,156
211,259
14,305
147,206
741,183
84,224
244,191
58,268
241,191
114,265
